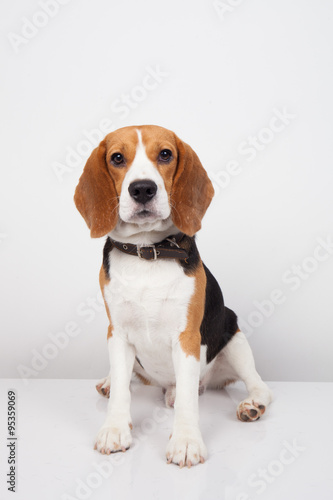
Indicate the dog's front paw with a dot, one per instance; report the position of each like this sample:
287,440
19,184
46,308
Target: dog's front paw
186,447
112,438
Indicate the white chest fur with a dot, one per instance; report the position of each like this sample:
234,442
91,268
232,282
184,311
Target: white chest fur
148,303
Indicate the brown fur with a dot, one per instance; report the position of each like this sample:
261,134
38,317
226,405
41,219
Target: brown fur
103,280
188,186
186,182
189,189
190,338
143,379
192,190
95,196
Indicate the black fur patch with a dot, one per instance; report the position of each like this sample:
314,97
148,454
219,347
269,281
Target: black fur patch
107,249
219,323
189,265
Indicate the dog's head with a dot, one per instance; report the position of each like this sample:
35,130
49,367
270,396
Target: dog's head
142,176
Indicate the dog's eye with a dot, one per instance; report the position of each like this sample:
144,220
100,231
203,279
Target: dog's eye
117,159
165,155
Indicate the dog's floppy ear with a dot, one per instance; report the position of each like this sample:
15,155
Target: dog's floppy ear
192,190
95,195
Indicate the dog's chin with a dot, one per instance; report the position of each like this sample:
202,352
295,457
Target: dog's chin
154,226
144,216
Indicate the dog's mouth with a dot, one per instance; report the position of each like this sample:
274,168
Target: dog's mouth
144,213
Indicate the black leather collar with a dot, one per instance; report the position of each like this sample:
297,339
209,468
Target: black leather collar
166,249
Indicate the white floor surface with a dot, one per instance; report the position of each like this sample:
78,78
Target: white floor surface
287,454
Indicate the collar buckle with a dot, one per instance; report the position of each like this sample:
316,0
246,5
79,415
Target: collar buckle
139,249
172,241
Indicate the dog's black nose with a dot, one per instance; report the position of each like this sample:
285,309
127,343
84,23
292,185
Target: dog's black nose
142,191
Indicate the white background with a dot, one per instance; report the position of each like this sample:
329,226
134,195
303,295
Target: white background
223,78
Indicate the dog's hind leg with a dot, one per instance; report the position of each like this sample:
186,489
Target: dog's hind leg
236,362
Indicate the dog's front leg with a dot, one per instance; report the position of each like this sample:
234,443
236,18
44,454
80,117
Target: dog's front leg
186,446
115,433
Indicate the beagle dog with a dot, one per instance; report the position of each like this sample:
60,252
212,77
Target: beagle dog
147,191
